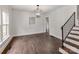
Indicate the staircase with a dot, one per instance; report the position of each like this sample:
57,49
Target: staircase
71,44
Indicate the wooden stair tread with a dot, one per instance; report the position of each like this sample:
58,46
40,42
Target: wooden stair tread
68,50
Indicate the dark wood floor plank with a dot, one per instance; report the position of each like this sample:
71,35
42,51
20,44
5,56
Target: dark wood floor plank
34,44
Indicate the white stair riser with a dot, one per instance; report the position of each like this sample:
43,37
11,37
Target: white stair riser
72,41
77,28
73,36
75,32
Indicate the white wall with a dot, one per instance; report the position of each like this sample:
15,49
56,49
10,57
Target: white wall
78,13
21,24
58,17
10,21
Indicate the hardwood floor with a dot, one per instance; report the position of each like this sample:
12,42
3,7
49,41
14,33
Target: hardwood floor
33,44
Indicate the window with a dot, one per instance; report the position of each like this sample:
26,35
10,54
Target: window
4,25
31,20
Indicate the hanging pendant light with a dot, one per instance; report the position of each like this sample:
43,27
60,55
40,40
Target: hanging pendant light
37,11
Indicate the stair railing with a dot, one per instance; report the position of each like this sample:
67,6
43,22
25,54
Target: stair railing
67,27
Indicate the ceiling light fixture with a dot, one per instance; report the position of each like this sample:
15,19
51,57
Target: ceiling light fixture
37,11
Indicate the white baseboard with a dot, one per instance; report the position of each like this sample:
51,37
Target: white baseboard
56,36
26,34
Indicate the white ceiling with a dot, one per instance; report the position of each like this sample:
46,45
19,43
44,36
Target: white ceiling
31,8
